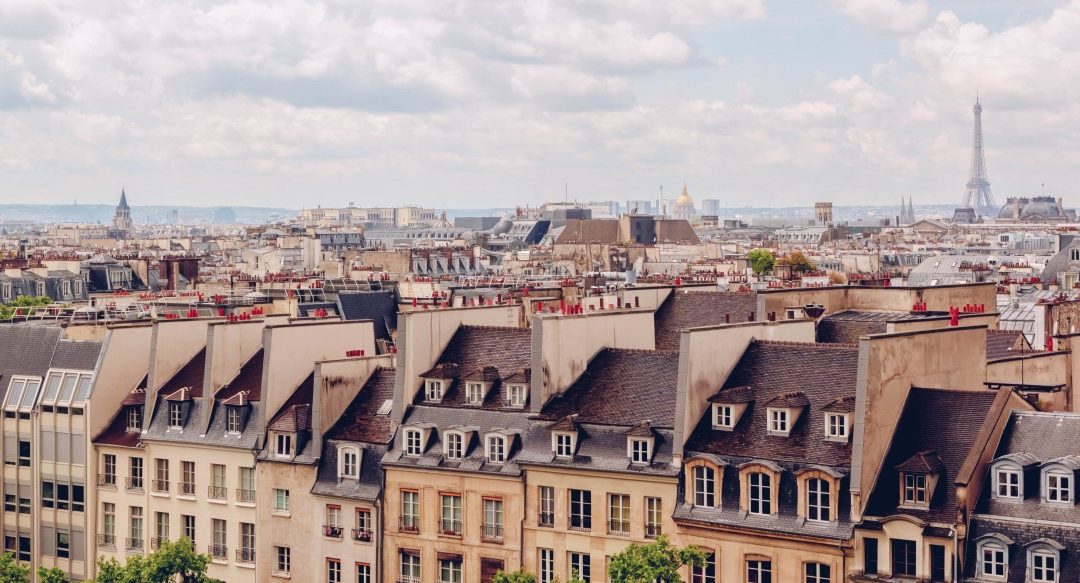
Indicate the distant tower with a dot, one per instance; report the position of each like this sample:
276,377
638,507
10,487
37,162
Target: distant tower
823,213
978,194
122,218
684,205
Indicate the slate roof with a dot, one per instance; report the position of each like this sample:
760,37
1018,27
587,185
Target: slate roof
945,421
248,380
691,309
601,448
190,376
822,372
367,488
848,325
621,387
31,349
477,421
295,414
378,306
923,462
1000,343
472,348
360,422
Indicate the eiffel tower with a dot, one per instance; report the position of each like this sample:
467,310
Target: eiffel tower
978,195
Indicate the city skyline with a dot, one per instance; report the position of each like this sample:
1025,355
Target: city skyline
300,104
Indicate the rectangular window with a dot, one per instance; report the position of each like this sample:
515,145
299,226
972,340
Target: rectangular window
363,573
476,393
903,557
818,500
915,488
451,514
108,465
136,524
333,515
760,495
135,481
410,511
817,573
410,567
496,453
434,390
547,506
282,560
937,563
247,542
161,475
639,451
283,445
723,416
493,519
546,559
176,415
704,573
1058,487
517,395
281,500
455,446
759,572
413,442
992,561
619,514
581,566
564,445
350,463
333,571
108,523
653,516
580,510
704,486
246,493
161,526
24,453
24,548
218,491
450,570
836,426
870,556
134,418
187,475
778,421
1044,567
63,544
219,537
1008,483
232,419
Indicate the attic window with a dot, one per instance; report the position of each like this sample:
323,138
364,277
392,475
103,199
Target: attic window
1074,254
836,427
349,462
564,445
413,440
386,407
778,422
496,449
516,396
134,418
475,393
1058,486
640,451
914,491
1007,483
455,445
176,415
723,417
232,419
434,390
283,445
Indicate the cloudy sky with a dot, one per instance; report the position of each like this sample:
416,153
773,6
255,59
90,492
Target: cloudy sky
474,104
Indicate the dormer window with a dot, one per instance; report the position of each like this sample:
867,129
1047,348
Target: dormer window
836,427
723,417
640,450
454,447
283,445
475,393
413,442
778,422
516,395
918,478
434,390
1044,560
176,415
993,557
759,497
232,419
1007,483
134,418
564,445
348,462
496,449
1058,486
914,493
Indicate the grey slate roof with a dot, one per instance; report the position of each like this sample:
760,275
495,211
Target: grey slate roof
367,488
692,309
32,349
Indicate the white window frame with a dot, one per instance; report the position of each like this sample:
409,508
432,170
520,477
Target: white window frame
134,413
433,390
779,421
757,569
349,462
414,442
704,486
759,494
454,445
516,395
282,500
914,489
1009,478
640,450
564,444
986,568
232,419
836,426
475,393
176,415
495,446
282,560
1037,573
818,500
817,573
1058,494
283,445
723,417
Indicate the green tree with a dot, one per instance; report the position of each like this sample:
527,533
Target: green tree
656,561
11,571
520,576
7,310
51,575
761,260
799,262
161,566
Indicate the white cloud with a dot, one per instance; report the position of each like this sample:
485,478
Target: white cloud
886,15
860,96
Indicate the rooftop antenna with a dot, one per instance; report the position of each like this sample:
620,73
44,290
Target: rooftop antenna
566,191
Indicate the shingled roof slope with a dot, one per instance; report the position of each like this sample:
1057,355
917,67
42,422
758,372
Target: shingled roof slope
248,380
360,422
1003,343
190,376
692,309
473,347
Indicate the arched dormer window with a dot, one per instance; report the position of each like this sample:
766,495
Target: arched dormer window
349,462
704,479
992,560
1059,480
454,444
1044,560
819,493
760,485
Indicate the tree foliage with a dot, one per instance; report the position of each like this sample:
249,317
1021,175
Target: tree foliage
8,309
520,576
161,566
11,571
799,262
656,561
51,575
761,260
835,277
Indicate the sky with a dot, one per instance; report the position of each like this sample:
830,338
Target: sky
475,104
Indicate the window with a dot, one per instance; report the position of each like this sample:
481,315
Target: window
493,519
1044,566
992,560
580,509
836,426
434,390
187,475
161,526
580,565
517,395
232,419
24,548
1074,254
410,510
413,442
451,514
134,418
63,544
363,573
1058,486
108,523
136,524
161,475
189,526
450,570
778,421
496,452
653,517
817,573
333,571
870,556
136,479
349,467
759,571
283,445
914,489
455,445
176,415
564,445
410,568
817,500
282,560
247,542
903,557
218,491
363,525
547,565
618,514
475,393
705,573
1007,480
723,417
704,486
246,493
760,493
281,500
108,465
24,453
639,451
937,563
333,515
547,506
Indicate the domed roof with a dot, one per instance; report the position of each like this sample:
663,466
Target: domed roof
684,198
1041,208
442,223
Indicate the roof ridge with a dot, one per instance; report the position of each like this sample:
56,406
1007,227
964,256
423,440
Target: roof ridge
639,350
821,345
486,327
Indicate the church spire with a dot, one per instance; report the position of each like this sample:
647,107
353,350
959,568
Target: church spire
123,200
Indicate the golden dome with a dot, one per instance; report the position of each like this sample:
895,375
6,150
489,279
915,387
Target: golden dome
684,198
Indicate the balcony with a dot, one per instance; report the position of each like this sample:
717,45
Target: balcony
133,544
245,496
245,556
546,520
218,552
155,543
185,488
492,533
106,481
619,527
133,483
450,527
580,524
159,486
404,579
409,524
217,493
361,535
331,531
107,541
652,530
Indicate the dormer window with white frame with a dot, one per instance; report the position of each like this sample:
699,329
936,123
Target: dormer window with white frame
134,418
837,426
232,419
454,445
349,462
516,395
779,422
563,444
1008,482
433,390
914,491
176,415
1044,560
283,445
723,417
1058,486
414,442
640,450
474,393
495,446
992,558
